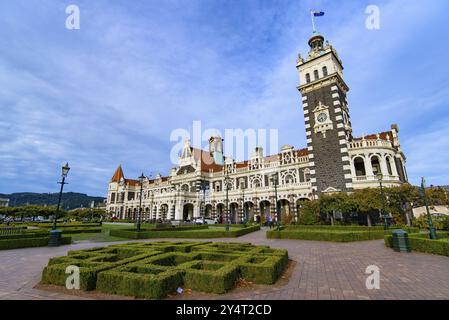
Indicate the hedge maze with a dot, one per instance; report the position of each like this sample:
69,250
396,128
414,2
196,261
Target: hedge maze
153,270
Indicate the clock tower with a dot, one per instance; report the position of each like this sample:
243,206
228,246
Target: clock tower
326,117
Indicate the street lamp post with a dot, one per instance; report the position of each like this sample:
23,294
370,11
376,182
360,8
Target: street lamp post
274,180
382,198
432,232
55,235
141,180
227,180
242,186
204,188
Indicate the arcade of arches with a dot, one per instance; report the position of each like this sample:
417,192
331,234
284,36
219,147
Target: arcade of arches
238,211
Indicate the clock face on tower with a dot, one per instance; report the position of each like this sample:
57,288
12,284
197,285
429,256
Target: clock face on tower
322,117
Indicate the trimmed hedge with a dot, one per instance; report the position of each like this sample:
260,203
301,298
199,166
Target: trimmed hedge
26,235
150,282
29,242
332,233
181,233
61,225
90,265
263,270
421,242
326,235
210,276
180,228
350,228
153,270
81,230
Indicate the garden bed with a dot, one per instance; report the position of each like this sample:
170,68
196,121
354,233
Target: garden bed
154,270
421,242
28,241
199,232
330,233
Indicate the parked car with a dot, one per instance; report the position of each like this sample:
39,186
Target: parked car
211,221
202,220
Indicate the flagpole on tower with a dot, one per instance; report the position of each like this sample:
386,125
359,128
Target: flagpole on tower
313,20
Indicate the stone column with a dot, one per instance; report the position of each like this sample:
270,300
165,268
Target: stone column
394,170
240,210
273,207
256,207
383,165
196,210
214,209
172,211
178,210
368,166
292,201
154,212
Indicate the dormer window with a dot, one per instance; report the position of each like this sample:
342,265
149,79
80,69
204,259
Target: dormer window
316,75
325,73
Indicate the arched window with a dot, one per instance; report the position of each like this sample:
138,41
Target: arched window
185,188
325,71
375,164
308,77
316,75
289,179
359,166
256,183
307,175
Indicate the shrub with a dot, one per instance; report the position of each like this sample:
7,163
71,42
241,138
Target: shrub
163,246
152,270
182,233
81,230
29,242
145,282
349,228
90,266
421,242
326,235
210,276
263,269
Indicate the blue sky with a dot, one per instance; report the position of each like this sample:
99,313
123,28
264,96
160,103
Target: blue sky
113,91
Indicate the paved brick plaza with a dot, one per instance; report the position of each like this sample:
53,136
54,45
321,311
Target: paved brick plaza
323,270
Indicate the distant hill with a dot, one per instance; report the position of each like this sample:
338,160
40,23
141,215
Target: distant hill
70,200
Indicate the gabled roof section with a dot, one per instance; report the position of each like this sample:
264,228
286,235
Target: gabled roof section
132,182
207,161
118,174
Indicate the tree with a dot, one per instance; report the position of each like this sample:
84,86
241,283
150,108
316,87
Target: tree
366,201
338,202
91,214
309,213
399,200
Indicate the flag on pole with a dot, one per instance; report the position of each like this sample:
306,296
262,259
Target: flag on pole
315,14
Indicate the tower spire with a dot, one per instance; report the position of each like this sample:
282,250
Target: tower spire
118,174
